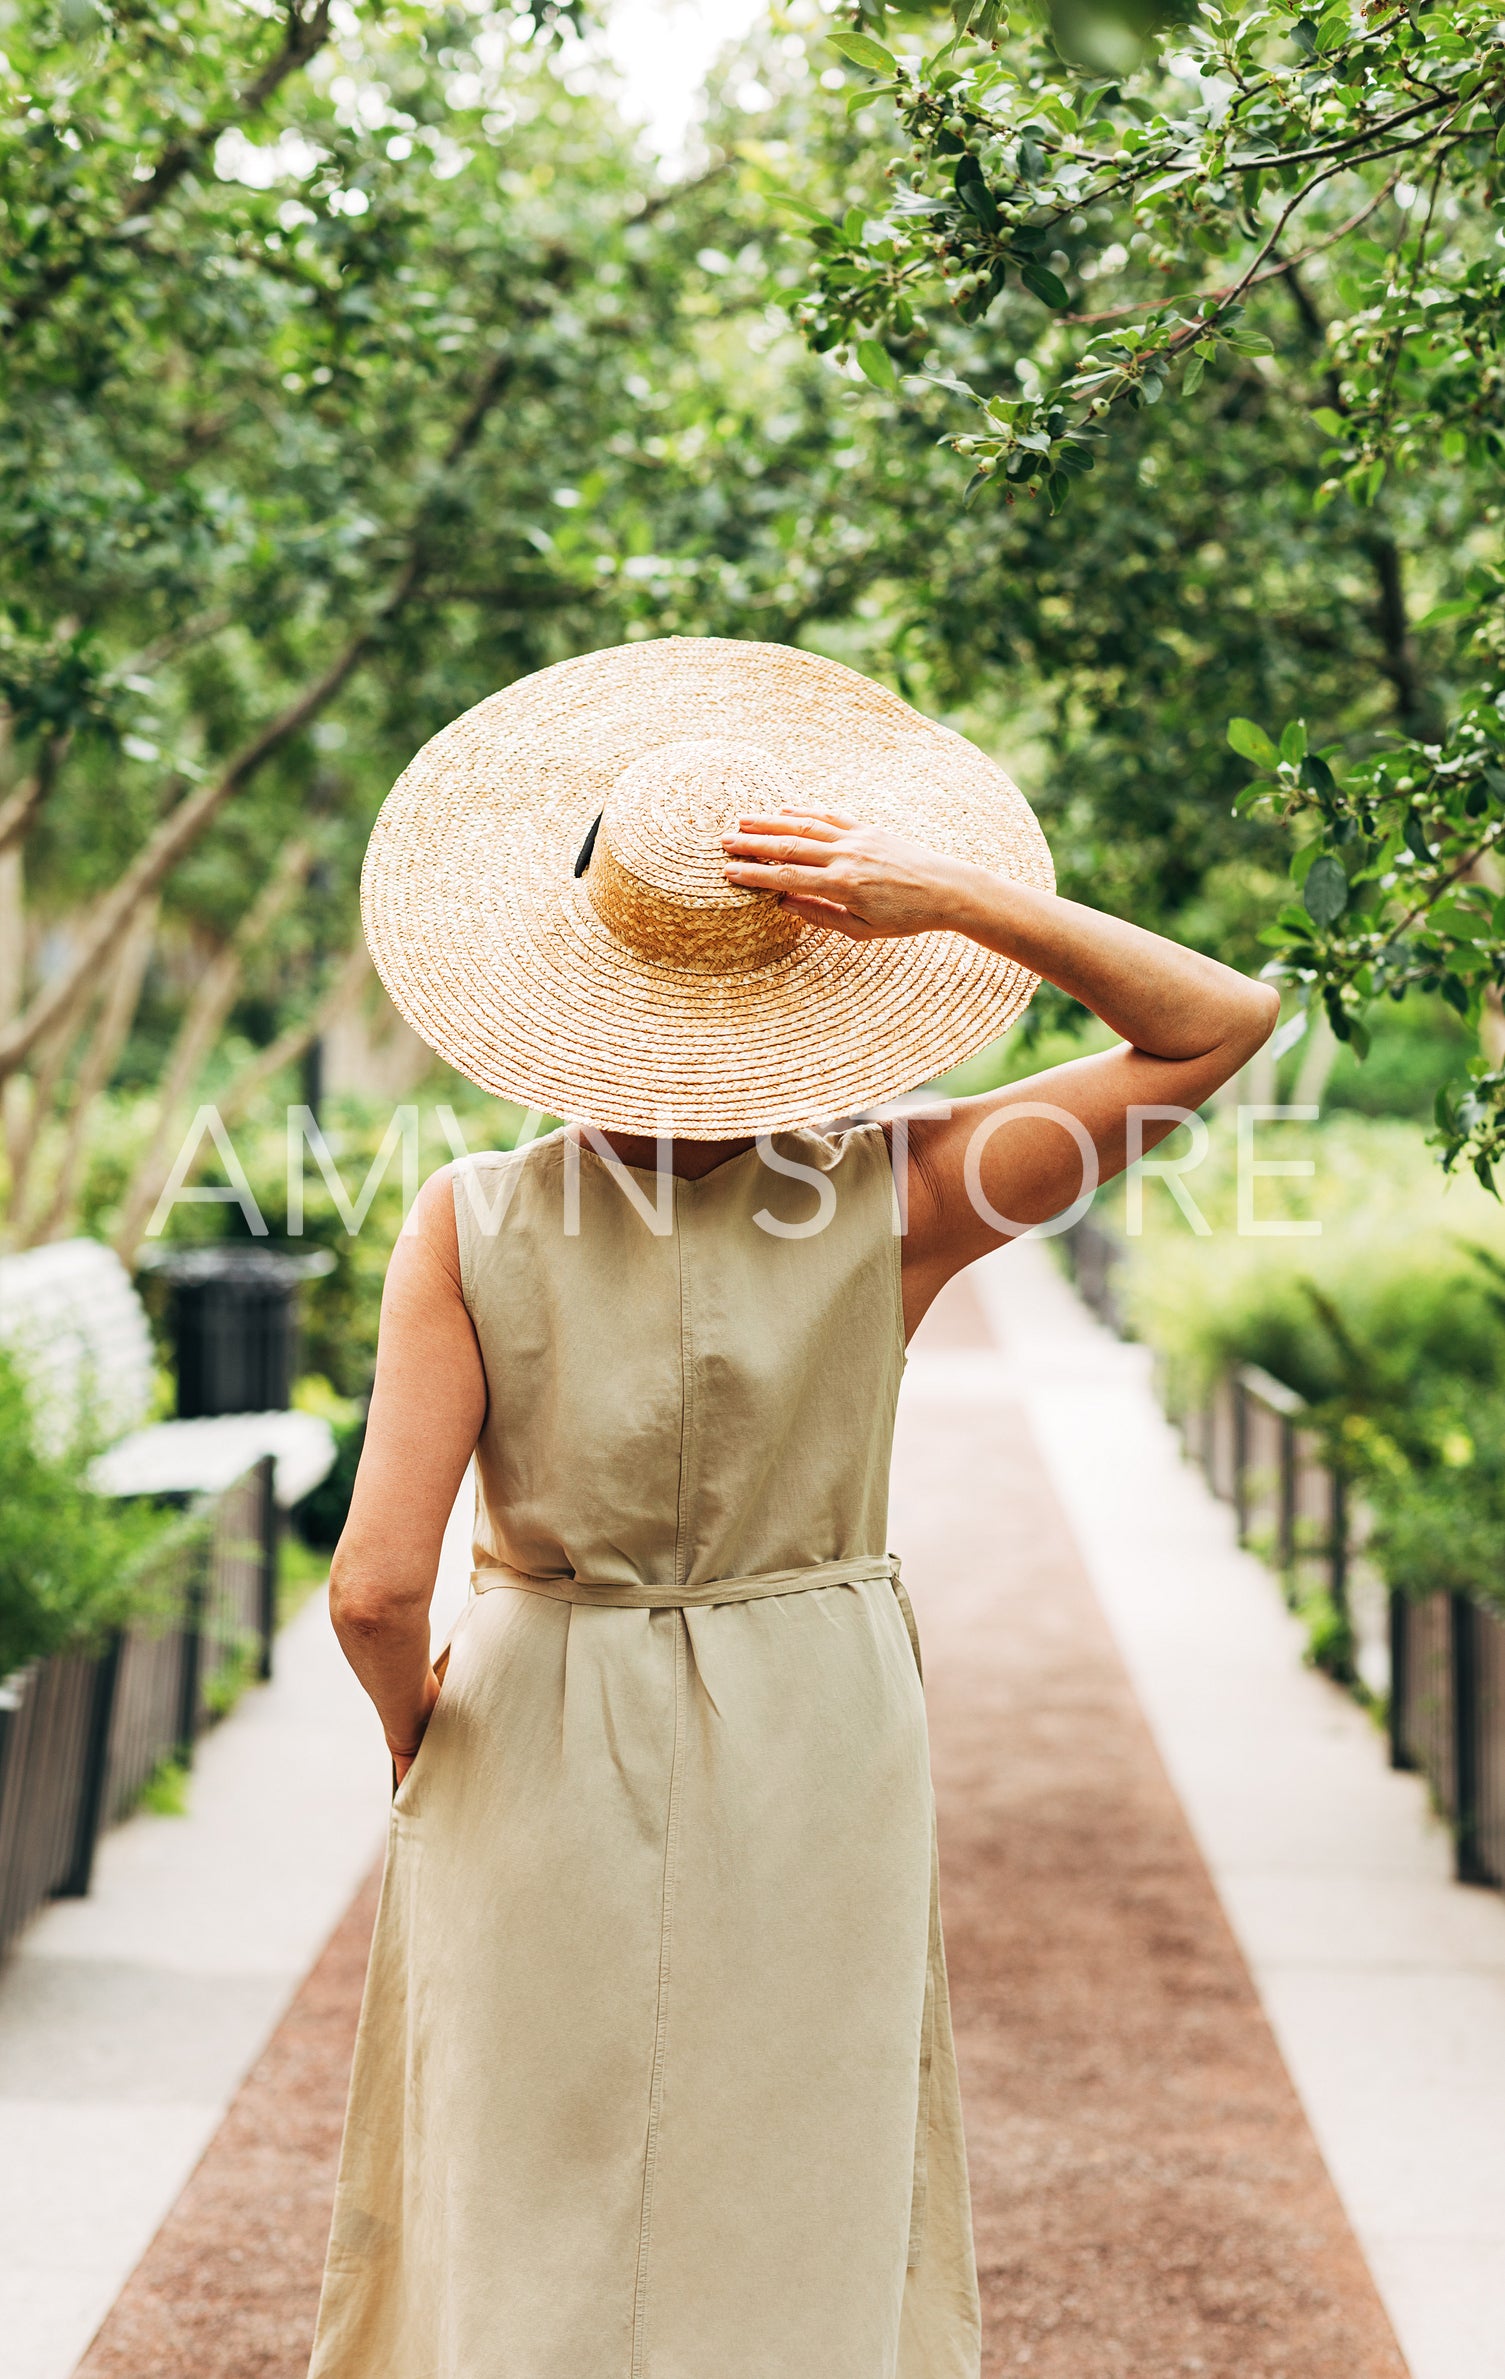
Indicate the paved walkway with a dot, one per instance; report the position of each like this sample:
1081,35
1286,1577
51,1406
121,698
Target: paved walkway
1384,1980
128,2020
1150,2196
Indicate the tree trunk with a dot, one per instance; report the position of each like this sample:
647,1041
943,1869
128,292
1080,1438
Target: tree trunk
34,1109
103,1055
211,1003
12,956
289,1046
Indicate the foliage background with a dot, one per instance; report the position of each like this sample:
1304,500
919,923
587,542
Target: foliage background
358,359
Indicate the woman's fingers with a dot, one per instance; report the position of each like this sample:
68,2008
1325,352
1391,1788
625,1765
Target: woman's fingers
765,876
777,850
828,914
810,825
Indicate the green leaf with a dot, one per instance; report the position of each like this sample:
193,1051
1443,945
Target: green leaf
972,189
1191,378
1441,613
1045,285
792,200
1250,342
1316,776
1293,741
876,364
863,51
1333,423
1325,890
1252,743
1456,994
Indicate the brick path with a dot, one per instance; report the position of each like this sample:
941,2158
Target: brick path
1149,2201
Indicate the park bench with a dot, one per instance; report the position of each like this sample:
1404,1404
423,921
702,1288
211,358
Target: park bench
81,1733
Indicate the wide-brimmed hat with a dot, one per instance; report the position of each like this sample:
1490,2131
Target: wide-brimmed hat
645,993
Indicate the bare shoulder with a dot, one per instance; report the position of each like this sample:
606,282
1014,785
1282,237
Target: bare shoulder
430,1236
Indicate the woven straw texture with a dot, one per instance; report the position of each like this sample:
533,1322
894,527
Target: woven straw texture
649,994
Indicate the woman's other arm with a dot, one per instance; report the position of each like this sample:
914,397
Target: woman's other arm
427,1407
1186,1024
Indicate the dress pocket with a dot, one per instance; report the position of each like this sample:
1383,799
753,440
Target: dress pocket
402,1793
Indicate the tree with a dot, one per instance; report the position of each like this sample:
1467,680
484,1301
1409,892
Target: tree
1300,207
354,366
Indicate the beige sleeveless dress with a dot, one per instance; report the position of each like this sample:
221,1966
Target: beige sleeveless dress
655,2076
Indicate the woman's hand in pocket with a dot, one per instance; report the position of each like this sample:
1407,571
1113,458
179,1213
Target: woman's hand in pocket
404,1754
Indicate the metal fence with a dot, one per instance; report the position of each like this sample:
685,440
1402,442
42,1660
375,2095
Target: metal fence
1437,1662
45,1725
81,1733
1447,1719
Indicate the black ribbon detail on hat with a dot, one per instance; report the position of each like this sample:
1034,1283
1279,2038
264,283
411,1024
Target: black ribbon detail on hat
589,844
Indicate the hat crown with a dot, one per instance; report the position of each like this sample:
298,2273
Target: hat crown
657,874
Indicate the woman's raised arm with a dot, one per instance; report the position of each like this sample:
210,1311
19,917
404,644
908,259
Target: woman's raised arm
1186,1024
427,1408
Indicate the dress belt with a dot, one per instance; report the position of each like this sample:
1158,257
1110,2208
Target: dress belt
862,1567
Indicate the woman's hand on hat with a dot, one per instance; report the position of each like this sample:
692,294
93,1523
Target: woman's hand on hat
833,871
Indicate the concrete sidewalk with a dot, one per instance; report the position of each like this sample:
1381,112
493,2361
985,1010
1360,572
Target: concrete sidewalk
1384,1980
128,2020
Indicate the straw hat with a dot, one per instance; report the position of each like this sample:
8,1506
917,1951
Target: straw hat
646,993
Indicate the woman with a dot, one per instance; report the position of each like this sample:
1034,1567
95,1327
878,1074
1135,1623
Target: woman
655,2076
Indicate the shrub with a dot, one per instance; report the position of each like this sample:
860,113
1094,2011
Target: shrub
72,1564
1391,1326
1396,1267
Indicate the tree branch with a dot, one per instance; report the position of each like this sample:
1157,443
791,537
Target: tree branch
1269,272
19,808
1398,659
100,1060
213,997
181,827
303,36
290,1045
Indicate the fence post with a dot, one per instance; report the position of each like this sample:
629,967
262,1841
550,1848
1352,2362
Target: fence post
269,1520
1240,1456
80,1872
1400,1680
1287,1499
192,1633
1337,1551
1463,1645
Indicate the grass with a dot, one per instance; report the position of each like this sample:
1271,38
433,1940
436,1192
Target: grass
165,1792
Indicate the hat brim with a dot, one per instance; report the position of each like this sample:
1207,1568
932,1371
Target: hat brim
488,944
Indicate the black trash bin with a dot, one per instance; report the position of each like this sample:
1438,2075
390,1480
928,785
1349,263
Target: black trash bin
233,1316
